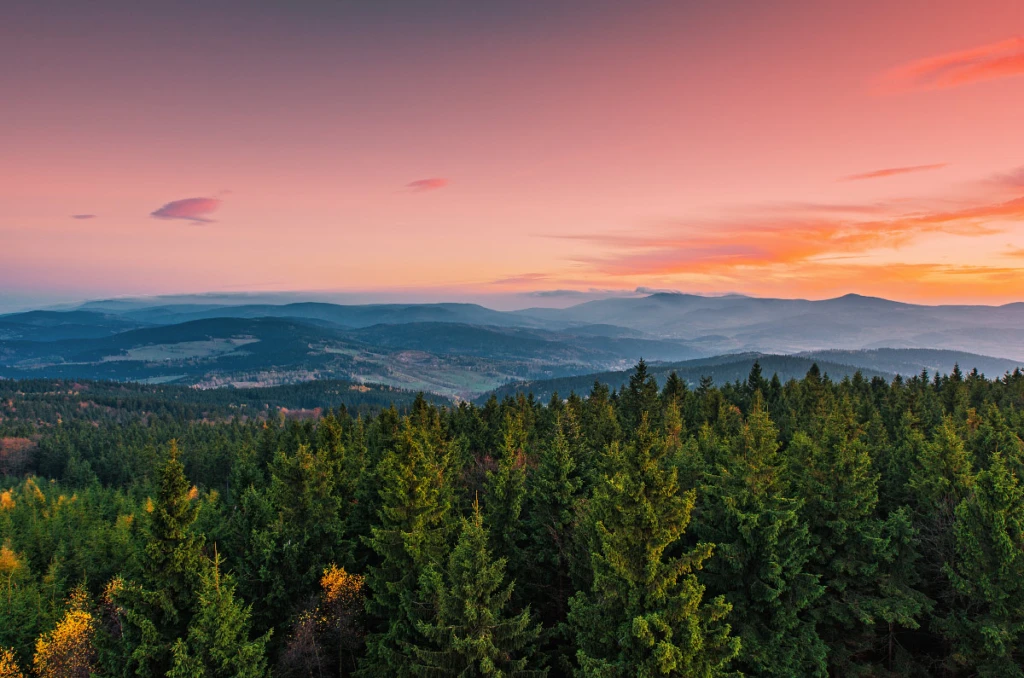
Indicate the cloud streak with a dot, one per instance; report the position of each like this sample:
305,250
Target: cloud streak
893,171
83,217
954,69
426,185
734,247
193,210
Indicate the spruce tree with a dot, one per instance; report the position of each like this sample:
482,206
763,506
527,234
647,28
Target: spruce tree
638,398
217,643
506,493
644,614
851,549
555,502
986,625
158,607
409,536
763,554
471,632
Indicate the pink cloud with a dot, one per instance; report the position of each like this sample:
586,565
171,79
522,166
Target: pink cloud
189,209
893,171
424,185
83,216
987,62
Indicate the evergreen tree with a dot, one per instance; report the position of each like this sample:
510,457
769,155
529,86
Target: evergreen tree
506,493
217,643
645,615
556,496
763,556
158,607
410,536
640,397
851,551
986,625
471,632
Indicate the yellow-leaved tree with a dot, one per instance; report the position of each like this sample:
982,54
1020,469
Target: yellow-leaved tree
9,665
67,650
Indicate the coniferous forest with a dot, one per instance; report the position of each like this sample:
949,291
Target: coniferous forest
809,528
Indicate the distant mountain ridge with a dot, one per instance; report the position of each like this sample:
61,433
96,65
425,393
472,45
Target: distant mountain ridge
463,349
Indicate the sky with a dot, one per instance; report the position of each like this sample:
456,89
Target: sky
515,153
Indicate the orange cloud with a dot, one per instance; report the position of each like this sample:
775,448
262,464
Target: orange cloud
424,185
726,247
892,171
189,209
988,62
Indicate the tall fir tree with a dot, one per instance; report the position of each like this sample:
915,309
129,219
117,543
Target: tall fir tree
645,614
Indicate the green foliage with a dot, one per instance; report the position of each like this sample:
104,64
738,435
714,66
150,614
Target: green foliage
986,624
217,643
645,614
854,527
470,632
409,537
763,555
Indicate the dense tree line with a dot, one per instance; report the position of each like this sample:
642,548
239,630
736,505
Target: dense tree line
815,528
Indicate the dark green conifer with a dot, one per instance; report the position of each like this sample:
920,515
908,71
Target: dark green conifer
645,614
472,632
763,553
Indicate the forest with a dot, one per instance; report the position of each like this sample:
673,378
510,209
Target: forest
862,527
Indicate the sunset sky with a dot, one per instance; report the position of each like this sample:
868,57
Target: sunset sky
515,153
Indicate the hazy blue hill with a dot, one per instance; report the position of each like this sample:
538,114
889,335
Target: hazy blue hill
57,325
350,316
522,343
225,345
792,325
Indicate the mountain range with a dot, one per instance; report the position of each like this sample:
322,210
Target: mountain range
465,350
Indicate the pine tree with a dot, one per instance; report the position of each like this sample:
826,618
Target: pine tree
471,632
217,643
763,549
645,615
410,535
986,625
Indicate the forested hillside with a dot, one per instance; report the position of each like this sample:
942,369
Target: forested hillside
808,528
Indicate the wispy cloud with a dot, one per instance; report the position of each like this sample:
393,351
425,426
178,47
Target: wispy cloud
194,210
424,185
892,171
953,69
83,217
520,279
729,247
